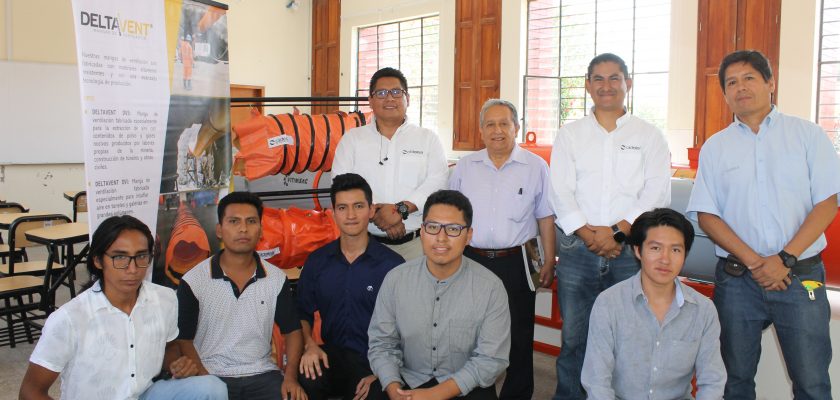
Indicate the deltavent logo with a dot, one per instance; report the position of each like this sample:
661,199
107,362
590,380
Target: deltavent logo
115,25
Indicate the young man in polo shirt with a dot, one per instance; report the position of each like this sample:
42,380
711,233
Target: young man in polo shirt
341,281
228,305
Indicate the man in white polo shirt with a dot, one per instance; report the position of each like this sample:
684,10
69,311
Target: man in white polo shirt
228,305
402,162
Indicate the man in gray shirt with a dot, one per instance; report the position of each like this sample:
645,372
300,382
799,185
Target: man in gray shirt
441,325
649,334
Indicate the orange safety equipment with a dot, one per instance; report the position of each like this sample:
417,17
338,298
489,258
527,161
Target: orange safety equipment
542,150
286,143
289,235
188,245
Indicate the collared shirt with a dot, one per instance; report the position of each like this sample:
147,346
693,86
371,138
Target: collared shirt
231,330
414,169
101,352
601,177
630,355
506,201
764,185
424,328
344,293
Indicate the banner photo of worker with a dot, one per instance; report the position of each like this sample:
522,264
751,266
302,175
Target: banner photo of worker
154,80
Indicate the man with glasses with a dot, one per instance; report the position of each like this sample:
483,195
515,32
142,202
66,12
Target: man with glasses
228,305
606,169
402,162
441,325
509,188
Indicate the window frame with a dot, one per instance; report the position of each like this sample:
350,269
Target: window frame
835,134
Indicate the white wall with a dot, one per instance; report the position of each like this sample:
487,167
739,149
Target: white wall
798,51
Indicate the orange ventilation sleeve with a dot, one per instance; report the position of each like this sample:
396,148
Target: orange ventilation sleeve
188,245
290,235
286,143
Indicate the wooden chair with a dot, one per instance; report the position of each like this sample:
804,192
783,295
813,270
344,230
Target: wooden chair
5,251
17,239
19,305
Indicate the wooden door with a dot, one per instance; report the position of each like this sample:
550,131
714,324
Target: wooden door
326,35
477,66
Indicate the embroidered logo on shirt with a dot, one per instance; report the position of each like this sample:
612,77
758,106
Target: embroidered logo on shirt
629,147
370,288
414,152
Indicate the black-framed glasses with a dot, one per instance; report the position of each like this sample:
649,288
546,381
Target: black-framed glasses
452,230
395,93
121,261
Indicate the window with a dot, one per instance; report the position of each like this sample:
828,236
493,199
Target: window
564,35
828,85
411,46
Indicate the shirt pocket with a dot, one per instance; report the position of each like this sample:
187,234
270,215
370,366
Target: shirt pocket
522,206
630,168
412,168
681,356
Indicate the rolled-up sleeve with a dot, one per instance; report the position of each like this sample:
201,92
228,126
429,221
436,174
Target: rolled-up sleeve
491,354
384,352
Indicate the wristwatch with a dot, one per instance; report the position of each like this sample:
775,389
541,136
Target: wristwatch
618,234
787,259
402,208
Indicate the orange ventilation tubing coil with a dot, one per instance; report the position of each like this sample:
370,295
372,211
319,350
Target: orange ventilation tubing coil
188,245
286,143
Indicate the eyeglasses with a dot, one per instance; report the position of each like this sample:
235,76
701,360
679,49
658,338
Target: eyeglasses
452,230
121,261
395,93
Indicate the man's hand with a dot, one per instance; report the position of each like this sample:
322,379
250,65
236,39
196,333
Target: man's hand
185,367
587,235
363,387
395,392
770,273
310,362
417,394
396,231
386,216
291,389
603,241
547,273
612,252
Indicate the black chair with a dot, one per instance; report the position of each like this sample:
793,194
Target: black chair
79,204
20,307
17,239
5,251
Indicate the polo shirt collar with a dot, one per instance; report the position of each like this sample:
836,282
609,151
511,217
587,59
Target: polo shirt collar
216,267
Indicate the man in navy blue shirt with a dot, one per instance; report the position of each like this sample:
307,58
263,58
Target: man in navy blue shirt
341,281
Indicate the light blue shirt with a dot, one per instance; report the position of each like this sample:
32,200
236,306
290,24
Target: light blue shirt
506,201
630,355
764,185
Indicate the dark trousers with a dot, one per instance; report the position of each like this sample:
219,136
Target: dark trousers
519,381
265,386
346,369
479,393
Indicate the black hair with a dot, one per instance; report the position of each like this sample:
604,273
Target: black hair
350,181
453,198
105,235
387,72
239,198
661,217
751,57
607,57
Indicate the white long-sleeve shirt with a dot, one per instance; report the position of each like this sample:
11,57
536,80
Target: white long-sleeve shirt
409,166
601,177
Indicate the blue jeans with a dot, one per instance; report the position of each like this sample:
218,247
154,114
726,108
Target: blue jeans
581,277
205,387
745,310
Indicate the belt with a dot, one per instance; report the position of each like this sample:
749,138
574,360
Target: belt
802,267
496,253
393,242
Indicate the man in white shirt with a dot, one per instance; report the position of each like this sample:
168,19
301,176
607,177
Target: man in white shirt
606,169
402,162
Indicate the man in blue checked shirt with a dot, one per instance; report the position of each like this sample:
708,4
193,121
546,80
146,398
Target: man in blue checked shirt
765,192
341,281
